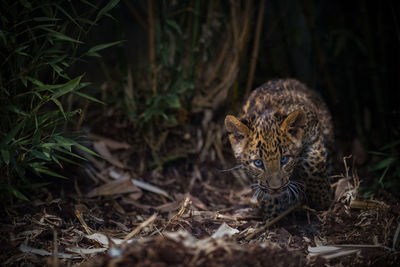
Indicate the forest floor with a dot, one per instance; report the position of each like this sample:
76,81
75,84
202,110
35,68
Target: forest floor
189,214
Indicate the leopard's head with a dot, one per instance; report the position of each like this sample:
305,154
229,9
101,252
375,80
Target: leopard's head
268,147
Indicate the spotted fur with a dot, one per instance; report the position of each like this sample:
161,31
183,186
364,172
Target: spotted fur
282,139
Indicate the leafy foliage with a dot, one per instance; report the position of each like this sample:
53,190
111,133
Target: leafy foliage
38,43
387,168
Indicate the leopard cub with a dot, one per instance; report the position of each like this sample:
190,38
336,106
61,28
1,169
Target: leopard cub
282,139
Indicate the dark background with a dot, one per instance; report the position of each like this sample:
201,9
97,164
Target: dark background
346,50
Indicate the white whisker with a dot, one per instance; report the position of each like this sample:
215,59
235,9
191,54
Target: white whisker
233,168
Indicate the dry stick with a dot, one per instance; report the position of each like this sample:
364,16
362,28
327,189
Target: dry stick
182,210
256,48
273,221
140,227
78,214
54,258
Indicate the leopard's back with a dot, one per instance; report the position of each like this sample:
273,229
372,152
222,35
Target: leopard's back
285,96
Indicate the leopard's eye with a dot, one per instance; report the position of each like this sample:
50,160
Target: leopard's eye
284,160
258,163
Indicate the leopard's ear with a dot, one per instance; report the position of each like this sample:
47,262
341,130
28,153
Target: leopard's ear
238,133
294,124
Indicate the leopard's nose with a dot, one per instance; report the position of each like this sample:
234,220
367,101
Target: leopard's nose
274,182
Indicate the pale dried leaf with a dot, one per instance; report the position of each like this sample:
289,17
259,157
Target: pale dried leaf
225,230
110,143
343,186
27,249
330,252
103,240
120,186
341,253
102,149
85,250
150,188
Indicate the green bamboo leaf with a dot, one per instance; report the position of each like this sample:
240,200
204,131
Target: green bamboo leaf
36,135
40,19
89,97
14,109
83,20
67,87
68,16
383,164
60,36
18,194
68,160
44,170
60,107
58,59
93,54
173,101
377,153
174,25
85,149
391,145
3,36
24,81
59,70
64,142
6,156
40,155
380,181
63,37
35,185
26,4
89,4
102,46
12,133
69,153
107,8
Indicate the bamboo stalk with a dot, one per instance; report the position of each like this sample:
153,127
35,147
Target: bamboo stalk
256,48
321,57
152,50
